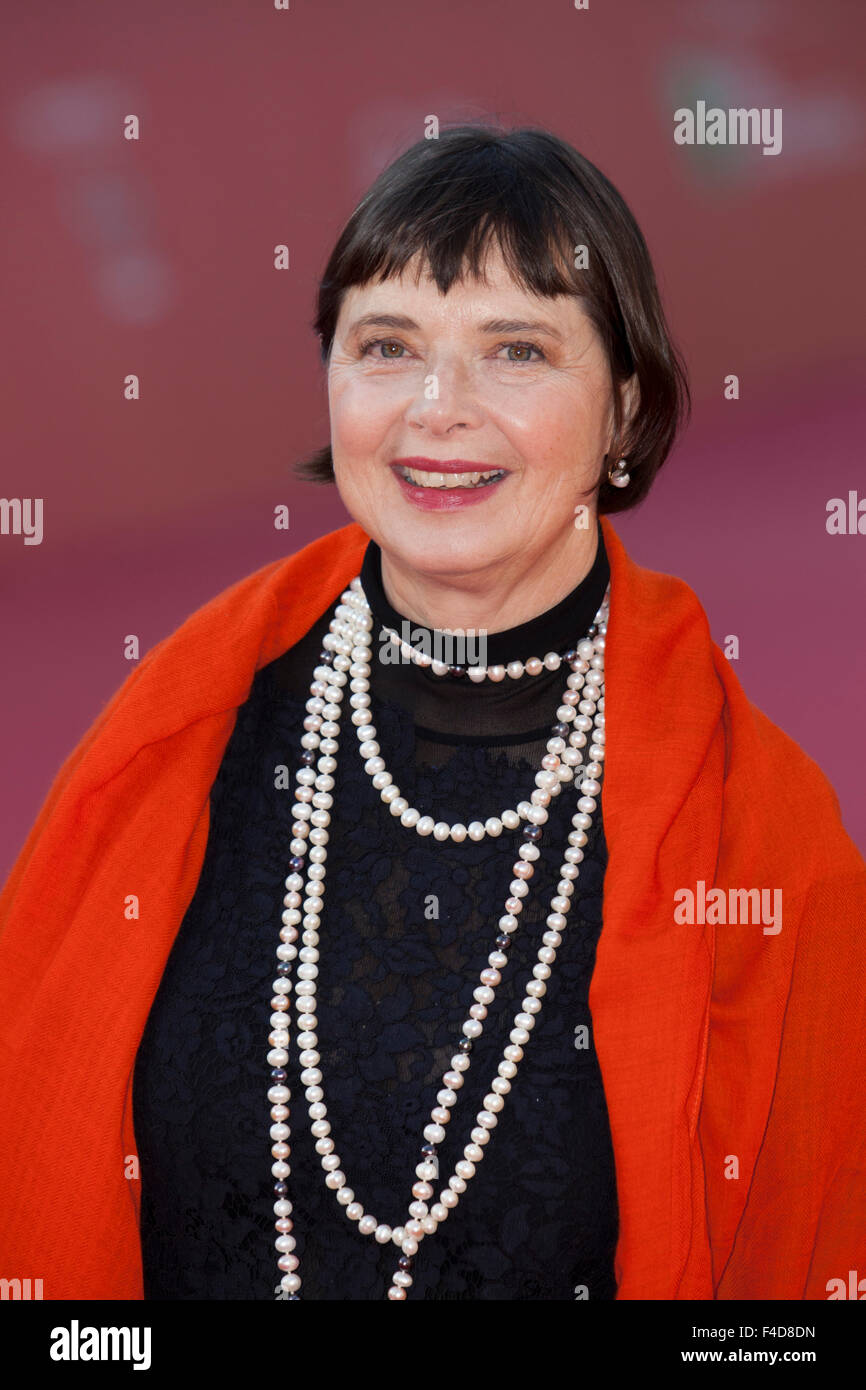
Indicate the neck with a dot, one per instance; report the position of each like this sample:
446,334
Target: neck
498,597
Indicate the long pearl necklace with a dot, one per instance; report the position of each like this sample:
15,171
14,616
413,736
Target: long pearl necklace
347,658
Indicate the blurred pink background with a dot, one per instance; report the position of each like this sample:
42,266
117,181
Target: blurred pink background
261,126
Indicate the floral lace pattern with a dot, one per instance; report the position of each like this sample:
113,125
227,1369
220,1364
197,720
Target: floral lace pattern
406,928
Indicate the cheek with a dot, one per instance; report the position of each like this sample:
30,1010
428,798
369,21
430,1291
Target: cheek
361,414
551,423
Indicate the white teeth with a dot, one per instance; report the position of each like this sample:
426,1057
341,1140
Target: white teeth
424,479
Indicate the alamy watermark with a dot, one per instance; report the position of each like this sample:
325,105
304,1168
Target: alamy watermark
23,1289
22,516
733,907
464,647
76,1343
737,126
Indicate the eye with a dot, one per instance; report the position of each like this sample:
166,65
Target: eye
382,342
524,347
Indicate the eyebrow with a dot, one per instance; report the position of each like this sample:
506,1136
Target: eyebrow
400,321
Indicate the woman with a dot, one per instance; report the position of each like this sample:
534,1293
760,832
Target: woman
514,1051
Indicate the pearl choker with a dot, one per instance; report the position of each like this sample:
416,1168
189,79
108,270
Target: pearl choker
581,716
533,666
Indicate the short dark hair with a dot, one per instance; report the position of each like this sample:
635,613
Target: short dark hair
539,199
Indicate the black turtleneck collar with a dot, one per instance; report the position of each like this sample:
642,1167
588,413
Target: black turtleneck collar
555,630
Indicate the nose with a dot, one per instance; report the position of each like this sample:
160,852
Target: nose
445,397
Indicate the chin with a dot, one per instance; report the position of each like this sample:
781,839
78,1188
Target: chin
438,548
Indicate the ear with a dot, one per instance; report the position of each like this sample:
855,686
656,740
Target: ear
630,396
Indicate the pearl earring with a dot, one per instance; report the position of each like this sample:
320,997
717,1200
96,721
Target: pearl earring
618,475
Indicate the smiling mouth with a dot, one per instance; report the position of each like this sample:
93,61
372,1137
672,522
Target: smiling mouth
451,480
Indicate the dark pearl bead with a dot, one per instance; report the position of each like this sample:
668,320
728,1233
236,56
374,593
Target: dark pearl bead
279,1075
293,1298
326,658
428,1150
284,968
570,655
532,833
296,863
464,1045
560,731
457,670
281,1189
308,757
503,941
405,1262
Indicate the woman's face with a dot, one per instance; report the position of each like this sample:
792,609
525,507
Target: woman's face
490,376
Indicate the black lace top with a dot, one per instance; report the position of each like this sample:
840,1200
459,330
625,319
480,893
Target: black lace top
407,925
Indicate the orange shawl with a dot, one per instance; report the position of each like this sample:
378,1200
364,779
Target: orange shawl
732,1058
